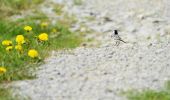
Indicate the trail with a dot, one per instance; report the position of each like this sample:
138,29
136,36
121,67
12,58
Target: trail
102,72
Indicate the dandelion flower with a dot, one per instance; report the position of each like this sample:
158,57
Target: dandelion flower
54,30
2,70
28,28
44,24
20,39
9,48
32,53
43,37
18,47
6,42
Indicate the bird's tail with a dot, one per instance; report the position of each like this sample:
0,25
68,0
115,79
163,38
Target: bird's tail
122,41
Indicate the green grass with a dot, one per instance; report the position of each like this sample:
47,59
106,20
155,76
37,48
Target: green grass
12,7
68,20
5,94
150,94
78,2
57,8
18,65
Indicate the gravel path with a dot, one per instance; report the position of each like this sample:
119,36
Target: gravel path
100,73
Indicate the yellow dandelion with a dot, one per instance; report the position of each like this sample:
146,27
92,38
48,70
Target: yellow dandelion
20,39
18,47
32,53
2,70
43,37
28,28
54,30
7,43
9,48
44,24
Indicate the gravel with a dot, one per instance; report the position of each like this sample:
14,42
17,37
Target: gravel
101,73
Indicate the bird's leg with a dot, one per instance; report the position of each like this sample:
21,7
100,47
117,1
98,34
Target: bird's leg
117,43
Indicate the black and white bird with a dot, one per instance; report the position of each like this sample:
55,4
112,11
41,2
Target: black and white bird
116,37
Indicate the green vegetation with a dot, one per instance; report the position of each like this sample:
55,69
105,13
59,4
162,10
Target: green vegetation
11,7
5,94
67,20
57,8
59,37
150,94
19,65
78,2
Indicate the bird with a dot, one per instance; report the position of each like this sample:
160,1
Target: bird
117,38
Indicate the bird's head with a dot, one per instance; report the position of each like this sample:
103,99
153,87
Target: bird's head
115,32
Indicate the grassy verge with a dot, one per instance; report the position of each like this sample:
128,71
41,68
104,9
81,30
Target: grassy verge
11,7
150,94
5,94
57,8
77,2
18,63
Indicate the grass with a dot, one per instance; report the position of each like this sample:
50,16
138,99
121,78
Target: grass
5,94
12,7
150,94
78,2
68,20
57,8
17,64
